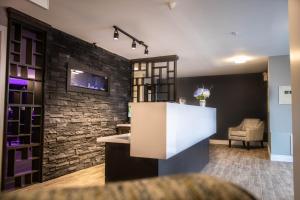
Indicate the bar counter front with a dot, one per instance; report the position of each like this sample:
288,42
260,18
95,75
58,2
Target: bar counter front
165,138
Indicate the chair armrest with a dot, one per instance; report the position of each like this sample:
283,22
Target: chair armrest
236,128
231,129
257,133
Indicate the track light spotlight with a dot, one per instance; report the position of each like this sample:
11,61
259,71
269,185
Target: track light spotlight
146,50
116,35
133,46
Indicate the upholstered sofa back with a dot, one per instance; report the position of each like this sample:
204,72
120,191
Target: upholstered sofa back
185,187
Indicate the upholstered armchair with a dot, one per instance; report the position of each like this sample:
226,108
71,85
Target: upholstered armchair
249,130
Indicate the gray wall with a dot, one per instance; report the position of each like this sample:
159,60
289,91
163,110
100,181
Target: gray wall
294,28
235,97
280,116
3,16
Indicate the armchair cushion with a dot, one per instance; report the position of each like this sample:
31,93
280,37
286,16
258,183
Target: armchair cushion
239,133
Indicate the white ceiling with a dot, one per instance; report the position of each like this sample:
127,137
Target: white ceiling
198,31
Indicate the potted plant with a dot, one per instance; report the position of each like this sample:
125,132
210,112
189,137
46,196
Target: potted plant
201,94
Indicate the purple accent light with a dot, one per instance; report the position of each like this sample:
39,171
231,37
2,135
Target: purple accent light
16,81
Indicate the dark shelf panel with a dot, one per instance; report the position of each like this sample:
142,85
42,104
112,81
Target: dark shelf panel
13,90
33,39
21,146
25,105
15,52
31,66
26,172
14,62
13,120
29,158
16,41
34,67
19,135
29,79
38,54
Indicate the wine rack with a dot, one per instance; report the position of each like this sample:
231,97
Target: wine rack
23,136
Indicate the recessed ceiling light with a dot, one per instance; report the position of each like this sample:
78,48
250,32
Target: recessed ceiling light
239,59
172,4
234,33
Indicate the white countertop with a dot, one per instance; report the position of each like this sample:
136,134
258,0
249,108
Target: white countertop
122,138
123,125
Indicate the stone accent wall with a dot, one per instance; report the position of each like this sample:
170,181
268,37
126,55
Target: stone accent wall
74,120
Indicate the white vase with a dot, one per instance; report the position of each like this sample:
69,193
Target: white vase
202,103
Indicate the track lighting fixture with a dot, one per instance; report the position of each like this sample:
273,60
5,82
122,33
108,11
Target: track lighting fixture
134,40
146,50
116,34
133,46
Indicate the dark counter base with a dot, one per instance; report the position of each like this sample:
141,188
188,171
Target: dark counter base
119,165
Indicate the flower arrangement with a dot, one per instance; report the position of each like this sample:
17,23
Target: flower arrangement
201,94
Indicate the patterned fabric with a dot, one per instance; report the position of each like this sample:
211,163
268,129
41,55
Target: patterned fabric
249,124
185,187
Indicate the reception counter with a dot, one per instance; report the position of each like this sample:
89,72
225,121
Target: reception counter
165,138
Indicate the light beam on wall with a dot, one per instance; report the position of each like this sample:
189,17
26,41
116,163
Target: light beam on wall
42,3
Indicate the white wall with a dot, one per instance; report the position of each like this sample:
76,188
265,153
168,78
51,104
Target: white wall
294,29
3,35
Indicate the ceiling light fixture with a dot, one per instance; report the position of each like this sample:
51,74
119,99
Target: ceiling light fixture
241,59
134,39
171,4
116,34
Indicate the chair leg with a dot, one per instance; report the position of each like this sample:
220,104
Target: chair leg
229,143
244,144
248,145
262,144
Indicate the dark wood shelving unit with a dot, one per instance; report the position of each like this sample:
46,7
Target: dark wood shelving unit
23,136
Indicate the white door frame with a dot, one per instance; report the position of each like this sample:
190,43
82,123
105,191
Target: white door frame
3,46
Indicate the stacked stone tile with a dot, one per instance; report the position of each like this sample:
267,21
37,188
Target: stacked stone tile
74,120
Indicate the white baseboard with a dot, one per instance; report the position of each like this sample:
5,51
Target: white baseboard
273,157
281,158
212,141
